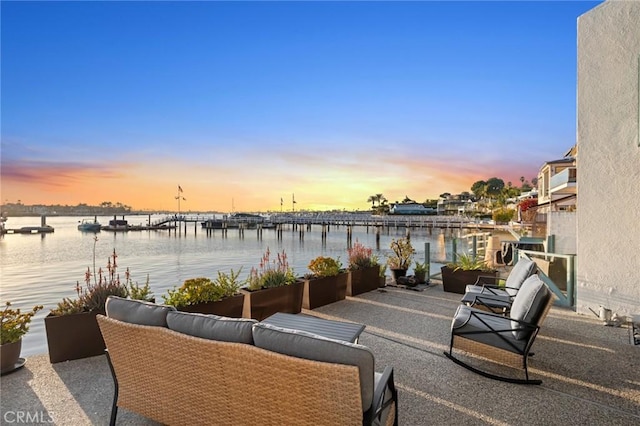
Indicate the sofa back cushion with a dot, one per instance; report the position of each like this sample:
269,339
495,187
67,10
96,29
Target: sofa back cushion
529,304
137,311
212,327
520,272
317,348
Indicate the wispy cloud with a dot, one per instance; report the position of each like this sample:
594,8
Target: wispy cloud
55,176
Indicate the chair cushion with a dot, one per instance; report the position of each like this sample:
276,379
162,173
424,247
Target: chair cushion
520,272
137,311
212,327
529,303
471,320
472,298
311,346
473,290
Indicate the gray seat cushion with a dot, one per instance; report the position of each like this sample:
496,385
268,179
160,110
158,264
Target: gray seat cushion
529,304
212,327
311,346
465,322
488,299
137,311
472,290
520,272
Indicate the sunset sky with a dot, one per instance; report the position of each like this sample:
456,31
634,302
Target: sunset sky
245,103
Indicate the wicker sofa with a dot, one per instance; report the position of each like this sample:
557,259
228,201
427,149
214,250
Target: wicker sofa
182,368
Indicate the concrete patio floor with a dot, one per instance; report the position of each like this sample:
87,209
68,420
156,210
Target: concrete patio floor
590,373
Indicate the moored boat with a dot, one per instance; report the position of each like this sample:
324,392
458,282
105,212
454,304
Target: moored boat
89,225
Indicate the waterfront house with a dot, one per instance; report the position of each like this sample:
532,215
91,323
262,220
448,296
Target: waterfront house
557,200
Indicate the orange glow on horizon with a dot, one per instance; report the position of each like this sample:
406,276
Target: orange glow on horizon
319,183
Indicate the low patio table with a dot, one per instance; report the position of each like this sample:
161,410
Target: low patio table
338,330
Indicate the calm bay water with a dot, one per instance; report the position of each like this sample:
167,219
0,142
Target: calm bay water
42,269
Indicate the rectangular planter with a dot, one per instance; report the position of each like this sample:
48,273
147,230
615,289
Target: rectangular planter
261,304
457,281
73,336
323,291
227,307
363,280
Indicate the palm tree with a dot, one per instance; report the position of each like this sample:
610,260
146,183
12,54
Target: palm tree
372,200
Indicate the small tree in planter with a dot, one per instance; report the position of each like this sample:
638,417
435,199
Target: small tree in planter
364,270
327,282
271,288
220,297
402,257
13,325
465,270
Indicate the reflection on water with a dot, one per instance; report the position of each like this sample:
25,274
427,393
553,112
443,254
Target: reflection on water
42,269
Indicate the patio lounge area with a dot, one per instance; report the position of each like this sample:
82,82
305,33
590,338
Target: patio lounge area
590,373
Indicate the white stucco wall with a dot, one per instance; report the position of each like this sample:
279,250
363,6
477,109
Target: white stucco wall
562,225
608,213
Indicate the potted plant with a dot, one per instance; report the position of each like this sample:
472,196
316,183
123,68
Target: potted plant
271,288
327,282
220,297
402,257
71,328
13,325
420,272
465,270
382,275
364,270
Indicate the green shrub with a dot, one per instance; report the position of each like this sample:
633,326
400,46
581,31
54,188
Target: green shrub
323,266
503,215
203,290
14,323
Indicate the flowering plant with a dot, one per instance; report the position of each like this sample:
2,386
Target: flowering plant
325,267
94,295
402,254
14,324
361,257
271,272
527,204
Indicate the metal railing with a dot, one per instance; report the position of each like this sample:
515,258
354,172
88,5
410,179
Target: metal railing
560,274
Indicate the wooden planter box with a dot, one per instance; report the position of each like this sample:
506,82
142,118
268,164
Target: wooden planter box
323,291
363,280
261,304
227,307
456,282
73,336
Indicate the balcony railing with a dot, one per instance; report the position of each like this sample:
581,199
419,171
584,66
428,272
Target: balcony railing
565,178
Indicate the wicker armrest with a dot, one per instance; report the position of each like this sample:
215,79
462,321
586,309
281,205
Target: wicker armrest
385,398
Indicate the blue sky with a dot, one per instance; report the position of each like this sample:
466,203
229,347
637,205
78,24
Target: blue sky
255,101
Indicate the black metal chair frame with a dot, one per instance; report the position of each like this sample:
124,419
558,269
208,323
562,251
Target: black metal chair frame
114,406
523,326
373,416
